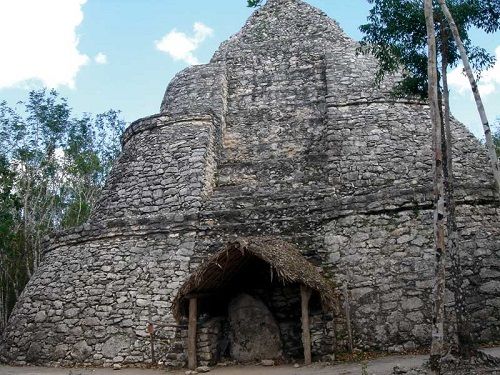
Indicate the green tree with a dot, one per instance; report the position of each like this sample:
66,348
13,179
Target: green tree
9,207
439,199
92,146
254,3
396,35
496,137
52,168
475,91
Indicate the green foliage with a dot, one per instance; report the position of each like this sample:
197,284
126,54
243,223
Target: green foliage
396,35
496,137
52,168
254,3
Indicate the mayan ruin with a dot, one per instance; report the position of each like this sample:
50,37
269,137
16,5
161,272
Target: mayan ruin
277,179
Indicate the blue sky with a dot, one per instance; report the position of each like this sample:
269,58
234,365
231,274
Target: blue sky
121,54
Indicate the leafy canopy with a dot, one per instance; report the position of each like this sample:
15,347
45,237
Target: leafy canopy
496,137
254,3
396,35
52,168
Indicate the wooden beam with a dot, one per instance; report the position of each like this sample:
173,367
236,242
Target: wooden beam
305,295
193,322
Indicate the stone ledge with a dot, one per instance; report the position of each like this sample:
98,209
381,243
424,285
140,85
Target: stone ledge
159,120
169,223
373,100
321,207
322,210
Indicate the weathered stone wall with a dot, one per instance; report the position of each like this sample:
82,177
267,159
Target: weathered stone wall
100,284
208,340
276,108
197,89
384,148
167,165
479,228
90,303
387,262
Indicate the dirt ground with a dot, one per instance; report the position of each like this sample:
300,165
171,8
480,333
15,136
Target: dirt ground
381,366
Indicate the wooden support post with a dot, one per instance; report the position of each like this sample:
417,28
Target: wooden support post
193,322
151,330
348,318
305,295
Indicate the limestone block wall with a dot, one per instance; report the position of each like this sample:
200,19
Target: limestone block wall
387,262
480,246
167,165
199,89
385,148
100,284
208,340
275,119
351,82
89,303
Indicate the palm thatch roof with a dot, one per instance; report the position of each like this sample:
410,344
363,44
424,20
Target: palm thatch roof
285,261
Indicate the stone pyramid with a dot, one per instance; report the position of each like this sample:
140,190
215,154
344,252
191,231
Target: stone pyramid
283,134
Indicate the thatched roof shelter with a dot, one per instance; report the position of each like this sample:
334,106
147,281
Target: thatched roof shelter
285,260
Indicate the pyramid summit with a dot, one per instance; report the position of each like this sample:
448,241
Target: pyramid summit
274,172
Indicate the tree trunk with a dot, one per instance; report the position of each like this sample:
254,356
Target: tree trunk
462,330
437,347
477,97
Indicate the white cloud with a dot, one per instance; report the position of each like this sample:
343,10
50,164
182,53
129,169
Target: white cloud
38,41
488,84
458,80
101,58
181,46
